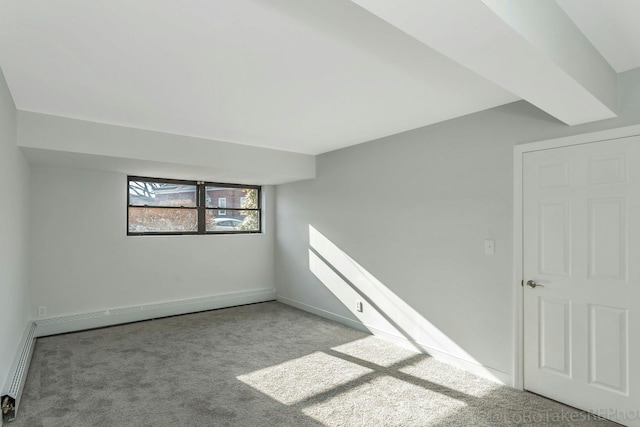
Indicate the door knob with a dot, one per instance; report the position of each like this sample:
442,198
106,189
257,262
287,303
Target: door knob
533,284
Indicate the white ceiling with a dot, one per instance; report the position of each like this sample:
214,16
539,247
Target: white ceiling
611,26
306,76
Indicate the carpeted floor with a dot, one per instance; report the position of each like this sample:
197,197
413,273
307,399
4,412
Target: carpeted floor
261,365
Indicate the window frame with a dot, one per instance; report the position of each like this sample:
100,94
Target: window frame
200,208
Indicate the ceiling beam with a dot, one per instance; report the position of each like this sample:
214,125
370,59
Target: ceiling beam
71,143
530,48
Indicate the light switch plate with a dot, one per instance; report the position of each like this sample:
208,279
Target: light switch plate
489,247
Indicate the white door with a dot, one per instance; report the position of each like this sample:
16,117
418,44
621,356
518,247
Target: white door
581,218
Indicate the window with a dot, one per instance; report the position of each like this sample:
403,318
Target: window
237,203
165,206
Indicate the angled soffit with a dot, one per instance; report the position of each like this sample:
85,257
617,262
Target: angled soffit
530,48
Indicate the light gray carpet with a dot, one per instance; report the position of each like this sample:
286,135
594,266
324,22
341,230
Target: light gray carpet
261,365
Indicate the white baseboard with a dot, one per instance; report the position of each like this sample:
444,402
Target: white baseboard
17,375
324,313
467,365
116,316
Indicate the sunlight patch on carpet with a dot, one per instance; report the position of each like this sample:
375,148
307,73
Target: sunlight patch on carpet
384,401
303,378
376,350
435,371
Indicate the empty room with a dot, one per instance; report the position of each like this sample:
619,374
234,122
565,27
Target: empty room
319,213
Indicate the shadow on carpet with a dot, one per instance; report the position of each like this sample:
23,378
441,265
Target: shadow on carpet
265,364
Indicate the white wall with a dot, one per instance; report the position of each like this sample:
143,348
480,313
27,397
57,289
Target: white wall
413,210
61,141
83,261
14,205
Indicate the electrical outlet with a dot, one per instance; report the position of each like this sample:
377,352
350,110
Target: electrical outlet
42,311
359,306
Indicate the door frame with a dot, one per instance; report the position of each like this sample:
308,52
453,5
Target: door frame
518,232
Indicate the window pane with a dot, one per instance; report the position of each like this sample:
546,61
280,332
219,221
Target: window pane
145,193
159,220
231,197
232,220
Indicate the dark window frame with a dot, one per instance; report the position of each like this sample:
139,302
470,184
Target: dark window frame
200,208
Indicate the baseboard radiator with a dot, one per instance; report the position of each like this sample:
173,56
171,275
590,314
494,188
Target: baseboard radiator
120,315
18,375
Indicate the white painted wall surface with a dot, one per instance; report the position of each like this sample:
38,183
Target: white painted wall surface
116,148
83,261
413,211
14,205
